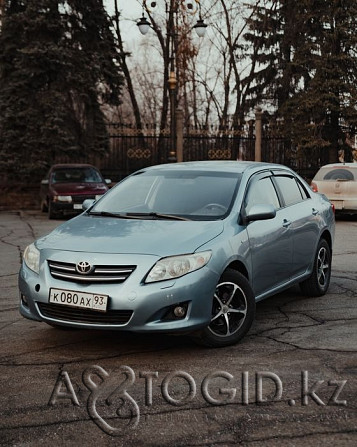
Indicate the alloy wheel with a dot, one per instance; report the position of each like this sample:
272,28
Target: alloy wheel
229,309
323,266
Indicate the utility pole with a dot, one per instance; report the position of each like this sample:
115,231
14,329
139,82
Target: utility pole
172,9
258,134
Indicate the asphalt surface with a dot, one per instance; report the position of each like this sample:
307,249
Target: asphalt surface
291,381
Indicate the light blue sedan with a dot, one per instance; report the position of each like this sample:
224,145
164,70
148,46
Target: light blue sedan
182,248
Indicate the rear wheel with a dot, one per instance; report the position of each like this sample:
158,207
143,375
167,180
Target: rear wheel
319,280
233,311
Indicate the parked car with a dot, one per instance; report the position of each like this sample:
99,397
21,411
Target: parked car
338,182
182,248
66,186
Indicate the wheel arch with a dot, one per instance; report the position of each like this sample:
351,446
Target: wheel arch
238,266
328,238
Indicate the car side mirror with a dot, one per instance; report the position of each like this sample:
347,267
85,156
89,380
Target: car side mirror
87,204
45,182
261,212
108,181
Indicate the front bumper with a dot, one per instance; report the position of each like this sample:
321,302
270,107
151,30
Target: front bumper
132,305
66,208
69,208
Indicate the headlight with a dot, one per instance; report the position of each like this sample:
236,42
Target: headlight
176,266
67,199
32,258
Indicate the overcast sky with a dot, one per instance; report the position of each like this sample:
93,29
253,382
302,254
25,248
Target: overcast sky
130,11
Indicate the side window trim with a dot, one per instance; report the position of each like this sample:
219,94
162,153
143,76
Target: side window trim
281,194
303,189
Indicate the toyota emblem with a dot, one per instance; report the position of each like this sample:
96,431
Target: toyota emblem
84,267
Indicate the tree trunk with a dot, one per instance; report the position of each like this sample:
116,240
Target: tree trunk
126,71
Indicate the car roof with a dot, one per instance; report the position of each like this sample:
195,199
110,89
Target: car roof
340,165
72,165
218,165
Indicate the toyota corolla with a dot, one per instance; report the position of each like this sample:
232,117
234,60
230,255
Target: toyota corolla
182,248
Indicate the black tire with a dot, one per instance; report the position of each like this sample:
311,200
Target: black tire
52,214
44,207
233,312
319,280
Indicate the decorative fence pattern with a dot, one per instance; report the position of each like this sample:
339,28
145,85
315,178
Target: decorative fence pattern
131,149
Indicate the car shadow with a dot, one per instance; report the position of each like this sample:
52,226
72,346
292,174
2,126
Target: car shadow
346,217
110,343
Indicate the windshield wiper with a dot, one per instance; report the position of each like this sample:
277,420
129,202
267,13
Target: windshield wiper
109,214
157,216
136,215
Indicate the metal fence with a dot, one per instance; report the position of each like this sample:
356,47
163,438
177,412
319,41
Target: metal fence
131,150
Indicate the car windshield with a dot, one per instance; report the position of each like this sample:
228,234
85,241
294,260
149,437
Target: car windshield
337,173
76,175
195,195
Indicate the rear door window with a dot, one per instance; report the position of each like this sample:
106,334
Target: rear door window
289,189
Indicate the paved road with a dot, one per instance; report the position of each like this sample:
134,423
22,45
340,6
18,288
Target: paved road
291,381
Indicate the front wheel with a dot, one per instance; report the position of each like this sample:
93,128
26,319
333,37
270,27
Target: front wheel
319,280
44,207
233,311
51,213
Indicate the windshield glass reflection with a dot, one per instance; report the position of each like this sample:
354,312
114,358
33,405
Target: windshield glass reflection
195,195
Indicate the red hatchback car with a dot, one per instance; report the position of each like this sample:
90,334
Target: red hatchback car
66,186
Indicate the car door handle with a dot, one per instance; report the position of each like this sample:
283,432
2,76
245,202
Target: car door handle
315,212
286,223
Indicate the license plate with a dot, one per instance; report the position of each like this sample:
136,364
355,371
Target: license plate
77,206
83,300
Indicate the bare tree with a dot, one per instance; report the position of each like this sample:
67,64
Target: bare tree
214,76
124,67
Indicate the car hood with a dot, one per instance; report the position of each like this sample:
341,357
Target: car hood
111,235
78,188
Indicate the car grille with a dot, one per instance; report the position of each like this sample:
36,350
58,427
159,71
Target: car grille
72,314
99,273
